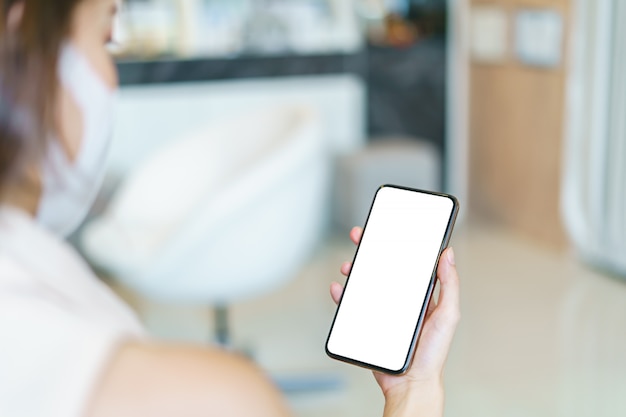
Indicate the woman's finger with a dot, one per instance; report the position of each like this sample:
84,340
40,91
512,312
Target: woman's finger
355,234
431,307
336,291
449,286
346,267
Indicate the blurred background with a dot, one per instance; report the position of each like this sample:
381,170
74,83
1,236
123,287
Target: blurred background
252,134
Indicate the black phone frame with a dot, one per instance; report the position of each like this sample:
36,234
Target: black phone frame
429,292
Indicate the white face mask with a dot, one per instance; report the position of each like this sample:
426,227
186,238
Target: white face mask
69,188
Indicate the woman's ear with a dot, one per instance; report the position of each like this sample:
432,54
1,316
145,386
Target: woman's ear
14,17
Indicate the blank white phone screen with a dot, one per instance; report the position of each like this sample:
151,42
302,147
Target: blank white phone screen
390,277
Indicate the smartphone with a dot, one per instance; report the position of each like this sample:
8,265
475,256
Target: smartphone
386,296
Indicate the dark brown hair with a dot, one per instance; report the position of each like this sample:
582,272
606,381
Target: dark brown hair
29,51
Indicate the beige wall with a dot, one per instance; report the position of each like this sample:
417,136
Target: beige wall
516,130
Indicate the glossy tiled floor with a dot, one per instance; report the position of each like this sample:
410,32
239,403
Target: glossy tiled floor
541,335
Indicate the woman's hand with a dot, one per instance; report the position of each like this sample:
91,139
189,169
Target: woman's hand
421,388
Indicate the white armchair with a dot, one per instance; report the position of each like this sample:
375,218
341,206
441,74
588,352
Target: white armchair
227,213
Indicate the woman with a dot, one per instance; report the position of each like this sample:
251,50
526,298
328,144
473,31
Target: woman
69,346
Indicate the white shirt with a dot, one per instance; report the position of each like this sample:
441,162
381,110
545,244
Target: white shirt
59,325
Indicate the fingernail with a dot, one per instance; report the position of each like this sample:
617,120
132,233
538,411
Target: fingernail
451,259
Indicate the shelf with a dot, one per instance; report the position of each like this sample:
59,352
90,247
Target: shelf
166,70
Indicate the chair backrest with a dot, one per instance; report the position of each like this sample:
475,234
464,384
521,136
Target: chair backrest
286,138
185,207
165,189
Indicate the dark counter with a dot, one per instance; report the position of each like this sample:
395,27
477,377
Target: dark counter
244,67
406,87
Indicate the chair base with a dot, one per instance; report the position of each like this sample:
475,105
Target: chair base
222,330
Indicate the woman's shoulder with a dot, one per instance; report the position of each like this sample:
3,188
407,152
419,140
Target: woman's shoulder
40,272
30,256
13,275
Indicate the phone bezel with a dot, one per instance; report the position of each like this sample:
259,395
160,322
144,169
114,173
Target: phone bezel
429,292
